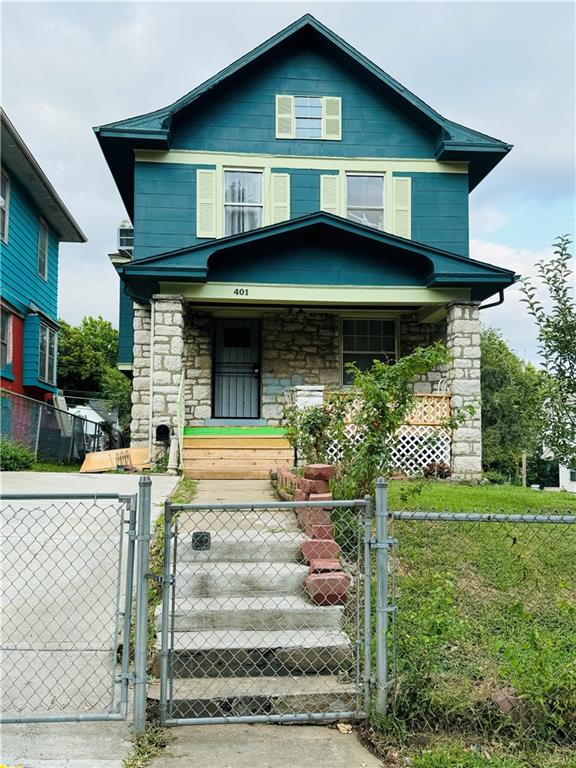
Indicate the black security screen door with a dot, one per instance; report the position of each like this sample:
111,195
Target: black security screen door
237,369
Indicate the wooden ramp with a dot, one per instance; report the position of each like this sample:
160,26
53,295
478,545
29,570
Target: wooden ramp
230,453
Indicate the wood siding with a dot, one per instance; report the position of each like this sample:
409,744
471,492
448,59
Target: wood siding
241,115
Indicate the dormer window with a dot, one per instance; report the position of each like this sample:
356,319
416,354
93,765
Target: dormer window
308,117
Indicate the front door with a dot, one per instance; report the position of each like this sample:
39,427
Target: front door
237,369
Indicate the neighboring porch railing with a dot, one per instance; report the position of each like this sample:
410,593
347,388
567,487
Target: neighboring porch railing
431,410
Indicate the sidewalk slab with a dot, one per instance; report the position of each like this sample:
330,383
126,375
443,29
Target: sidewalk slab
264,746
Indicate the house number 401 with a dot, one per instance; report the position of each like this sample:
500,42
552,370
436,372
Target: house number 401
241,291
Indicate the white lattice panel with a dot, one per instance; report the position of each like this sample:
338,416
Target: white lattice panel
413,449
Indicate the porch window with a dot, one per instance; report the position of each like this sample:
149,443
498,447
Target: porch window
4,205
47,357
5,339
242,201
366,340
42,250
365,200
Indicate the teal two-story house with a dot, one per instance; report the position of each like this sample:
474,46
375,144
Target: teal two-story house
33,223
298,211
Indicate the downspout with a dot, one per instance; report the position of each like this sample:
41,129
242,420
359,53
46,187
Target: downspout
151,383
494,303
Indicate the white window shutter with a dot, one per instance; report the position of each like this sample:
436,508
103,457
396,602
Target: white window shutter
285,122
329,185
331,117
205,203
402,204
280,197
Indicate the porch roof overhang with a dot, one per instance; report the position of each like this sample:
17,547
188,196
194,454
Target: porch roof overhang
394,261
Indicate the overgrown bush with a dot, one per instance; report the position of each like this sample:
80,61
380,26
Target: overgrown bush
496,478
15,457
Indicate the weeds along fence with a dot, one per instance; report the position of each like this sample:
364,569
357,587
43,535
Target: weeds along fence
483,636
50,433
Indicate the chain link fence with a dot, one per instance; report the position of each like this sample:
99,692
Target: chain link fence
50,433
67,580
484,632
264,617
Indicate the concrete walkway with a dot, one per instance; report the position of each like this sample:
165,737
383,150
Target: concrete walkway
259,746
61,595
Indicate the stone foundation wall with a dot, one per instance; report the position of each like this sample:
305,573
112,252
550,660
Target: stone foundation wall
198,330
297,348
168,348
413,335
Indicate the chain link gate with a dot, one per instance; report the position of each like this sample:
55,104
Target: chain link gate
67,581
266,612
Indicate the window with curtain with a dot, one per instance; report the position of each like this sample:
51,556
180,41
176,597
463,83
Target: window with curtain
5,339
243,201
366,340
365,200
47,357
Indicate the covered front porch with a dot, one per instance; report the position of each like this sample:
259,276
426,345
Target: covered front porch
226,331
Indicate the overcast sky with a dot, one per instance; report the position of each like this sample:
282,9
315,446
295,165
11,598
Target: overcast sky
506,69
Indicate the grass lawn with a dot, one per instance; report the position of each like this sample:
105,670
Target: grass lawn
485,632
48,466
452,497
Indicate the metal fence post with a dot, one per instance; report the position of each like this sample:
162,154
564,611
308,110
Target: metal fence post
141,639
166,584
367,603
381,596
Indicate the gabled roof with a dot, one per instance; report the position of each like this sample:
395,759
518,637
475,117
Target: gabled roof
152,130
21,162
192,264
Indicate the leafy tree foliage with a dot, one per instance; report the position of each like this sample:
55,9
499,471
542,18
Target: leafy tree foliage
557,345
512,397
87,356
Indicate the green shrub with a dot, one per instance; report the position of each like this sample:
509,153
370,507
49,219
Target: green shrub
15,457
496,478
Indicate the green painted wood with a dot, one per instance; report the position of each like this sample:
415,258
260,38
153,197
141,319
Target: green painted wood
125,328
231,431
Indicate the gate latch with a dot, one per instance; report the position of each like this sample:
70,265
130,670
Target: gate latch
383,544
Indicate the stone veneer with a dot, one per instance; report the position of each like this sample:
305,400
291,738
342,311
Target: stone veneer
298,347
463,374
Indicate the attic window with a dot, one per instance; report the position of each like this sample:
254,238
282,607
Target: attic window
308,117
308,114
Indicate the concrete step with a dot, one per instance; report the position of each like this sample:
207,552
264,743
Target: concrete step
249,546
250,653
241,696
238,579
252,613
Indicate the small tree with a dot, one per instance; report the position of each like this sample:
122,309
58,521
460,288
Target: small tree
511,405
557,346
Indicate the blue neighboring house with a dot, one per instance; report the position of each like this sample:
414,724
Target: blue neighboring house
298,211
33,221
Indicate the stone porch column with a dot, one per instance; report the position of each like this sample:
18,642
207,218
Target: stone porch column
140,377
168,346
463,341
166,339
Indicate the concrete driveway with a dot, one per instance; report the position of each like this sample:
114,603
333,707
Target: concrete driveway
59,579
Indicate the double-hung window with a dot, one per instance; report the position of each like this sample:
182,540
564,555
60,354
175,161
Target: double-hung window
308,115
42,250
243,201
365,200
47,356
366,340
4,205
5,339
